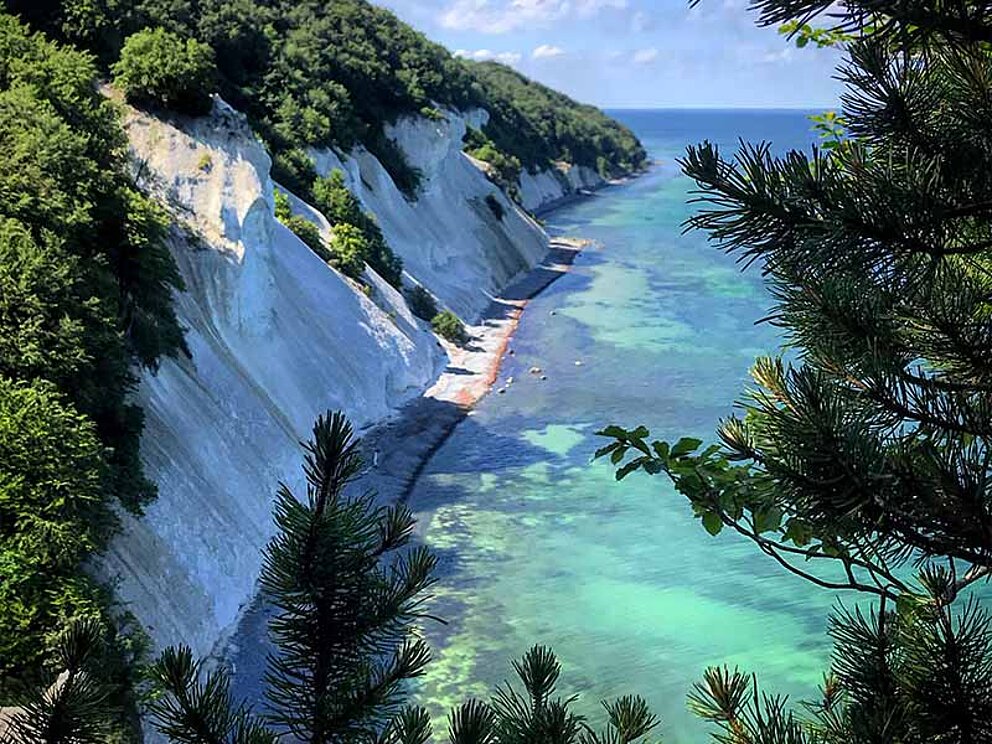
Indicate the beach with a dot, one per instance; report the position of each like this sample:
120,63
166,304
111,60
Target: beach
396,450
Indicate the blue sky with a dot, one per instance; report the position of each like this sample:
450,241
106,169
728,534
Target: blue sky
634,53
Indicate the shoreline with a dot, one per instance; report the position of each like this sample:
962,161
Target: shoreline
397,450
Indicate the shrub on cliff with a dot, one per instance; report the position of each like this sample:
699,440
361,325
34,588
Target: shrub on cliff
421,303
160,68
447,325
502,169
349,249
332,197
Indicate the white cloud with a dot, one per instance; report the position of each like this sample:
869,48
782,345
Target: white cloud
641,22
482,55
547,51
773,58
645,56
503,16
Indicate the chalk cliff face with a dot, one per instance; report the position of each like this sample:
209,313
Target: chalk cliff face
547,188
277,337
450,239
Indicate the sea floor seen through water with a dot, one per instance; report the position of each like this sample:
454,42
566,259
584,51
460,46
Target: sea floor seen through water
538,544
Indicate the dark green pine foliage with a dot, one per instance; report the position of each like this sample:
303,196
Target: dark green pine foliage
201,712
531,715
866,456
871,449
346,592
895,677
346,600
71,705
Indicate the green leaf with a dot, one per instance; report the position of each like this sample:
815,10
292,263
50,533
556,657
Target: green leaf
712,523
629,468
767,520
615,432
685,445
604,451
618,454
641,445
661,450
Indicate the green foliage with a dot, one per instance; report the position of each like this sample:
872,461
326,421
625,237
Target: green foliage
347,592
160,68
86,285
342,209
309,233
317,74
924,676
303,228
503,170
388,153
422,303
447,325
71,705
283,210
194,712
533,714
804,35
54,512
831,129
866,458
539,126
349,249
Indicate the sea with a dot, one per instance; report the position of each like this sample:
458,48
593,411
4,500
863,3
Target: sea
538,544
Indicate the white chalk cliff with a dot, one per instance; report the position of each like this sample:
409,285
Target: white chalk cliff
549,188
277,337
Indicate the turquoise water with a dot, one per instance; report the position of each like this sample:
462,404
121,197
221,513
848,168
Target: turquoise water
538,544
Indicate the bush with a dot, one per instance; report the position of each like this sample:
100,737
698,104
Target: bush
447,325
293,169
332,197
309,233
405,176
349,249
421,303
159,68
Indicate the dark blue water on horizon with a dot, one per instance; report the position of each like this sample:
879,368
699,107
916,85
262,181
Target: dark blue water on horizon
539,544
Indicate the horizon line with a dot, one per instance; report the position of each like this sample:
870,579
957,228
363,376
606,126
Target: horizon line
809,107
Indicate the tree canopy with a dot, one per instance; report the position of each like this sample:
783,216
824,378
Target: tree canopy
318,74
86,285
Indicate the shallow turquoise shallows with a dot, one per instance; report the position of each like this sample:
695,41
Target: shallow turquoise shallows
538,544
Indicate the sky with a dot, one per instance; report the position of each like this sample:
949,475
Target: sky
635,53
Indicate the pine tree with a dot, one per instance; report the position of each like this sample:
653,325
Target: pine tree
868,454
346,592
71,706
533,715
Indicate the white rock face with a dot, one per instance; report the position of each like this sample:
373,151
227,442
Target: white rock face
449,238
276,338
545,189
